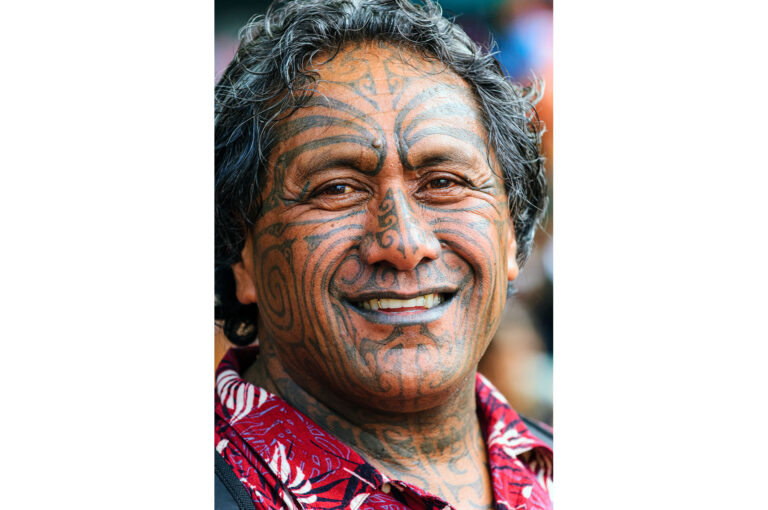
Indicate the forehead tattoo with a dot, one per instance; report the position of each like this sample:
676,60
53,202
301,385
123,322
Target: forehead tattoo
428,100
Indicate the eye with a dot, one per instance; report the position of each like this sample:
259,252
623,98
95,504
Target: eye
335,189
443,187
441,182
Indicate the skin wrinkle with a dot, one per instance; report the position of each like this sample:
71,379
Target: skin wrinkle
439,91
401,395
288,129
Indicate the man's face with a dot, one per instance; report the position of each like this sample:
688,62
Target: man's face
381,256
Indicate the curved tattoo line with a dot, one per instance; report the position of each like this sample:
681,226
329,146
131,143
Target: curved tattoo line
399,83
356,86
292,127
332,104
273,284
464,236
364,80
277,229
399,224
306,280
446,210
461,134
412,104
442,111
274,198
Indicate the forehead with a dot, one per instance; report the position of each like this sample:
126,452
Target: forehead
381,71
375,91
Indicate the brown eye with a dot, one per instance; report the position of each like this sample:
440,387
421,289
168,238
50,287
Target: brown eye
439,183
335,189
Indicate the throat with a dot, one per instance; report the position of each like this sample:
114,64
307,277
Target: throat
441,450
454,467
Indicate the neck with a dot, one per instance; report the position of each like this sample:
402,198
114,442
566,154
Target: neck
440,449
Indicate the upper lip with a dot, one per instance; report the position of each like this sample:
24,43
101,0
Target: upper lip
388,294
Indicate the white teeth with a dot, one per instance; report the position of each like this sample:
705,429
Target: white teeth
427,301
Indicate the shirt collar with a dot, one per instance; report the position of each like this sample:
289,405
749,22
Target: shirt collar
263,420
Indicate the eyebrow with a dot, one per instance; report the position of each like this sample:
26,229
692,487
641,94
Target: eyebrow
423,159
435,157
324,162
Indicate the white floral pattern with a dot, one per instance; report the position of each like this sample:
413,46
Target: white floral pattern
238,395
509,439
358,500
294,483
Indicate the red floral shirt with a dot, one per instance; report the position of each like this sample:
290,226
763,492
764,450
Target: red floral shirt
285,460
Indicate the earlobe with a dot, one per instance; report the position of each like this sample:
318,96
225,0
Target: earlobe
512,268
244,275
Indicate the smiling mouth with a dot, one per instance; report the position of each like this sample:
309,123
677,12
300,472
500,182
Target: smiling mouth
397,311
413,305
387,309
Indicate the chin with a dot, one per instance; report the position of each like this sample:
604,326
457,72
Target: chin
412,376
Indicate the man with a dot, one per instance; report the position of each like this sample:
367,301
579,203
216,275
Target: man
378,184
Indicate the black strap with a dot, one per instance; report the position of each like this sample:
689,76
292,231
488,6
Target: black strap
229,493
538,430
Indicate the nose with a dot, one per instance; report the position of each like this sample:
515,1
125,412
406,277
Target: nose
396,234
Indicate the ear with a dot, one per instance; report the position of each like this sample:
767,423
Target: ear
512,268
245,278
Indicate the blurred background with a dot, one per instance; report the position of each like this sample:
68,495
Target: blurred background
519,359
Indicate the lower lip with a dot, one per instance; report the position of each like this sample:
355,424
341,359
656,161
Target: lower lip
404,316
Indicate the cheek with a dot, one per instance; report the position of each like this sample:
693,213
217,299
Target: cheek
478,249
295,269
350,272
353,276
327,253
329,258
479,243
276,286
317,256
